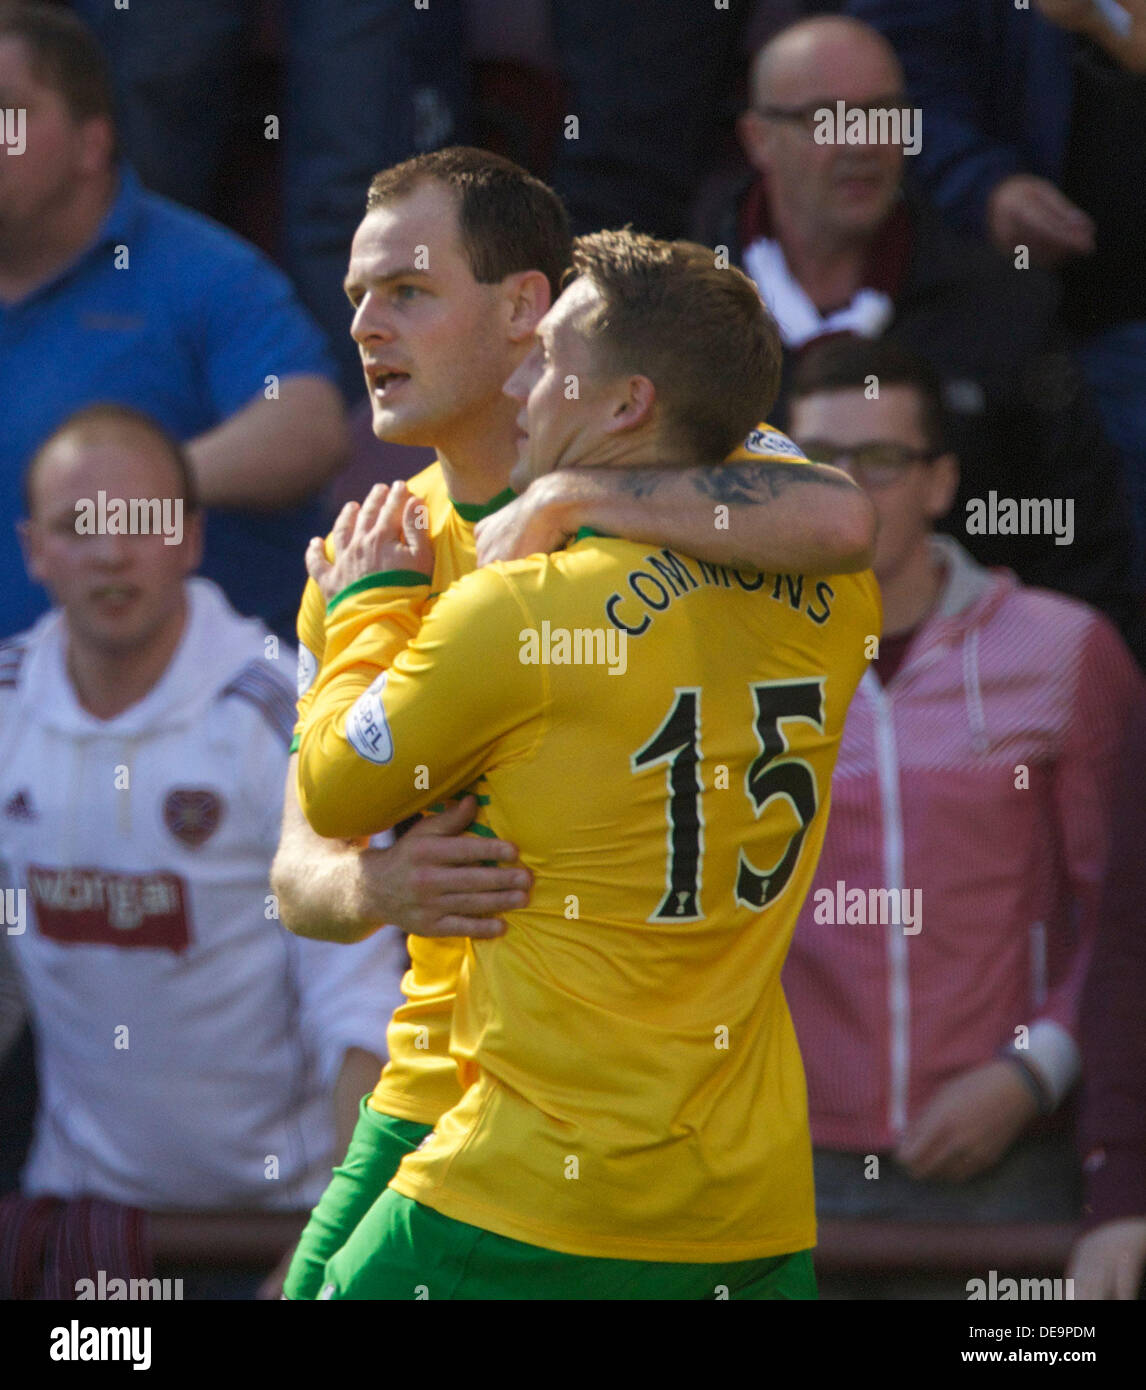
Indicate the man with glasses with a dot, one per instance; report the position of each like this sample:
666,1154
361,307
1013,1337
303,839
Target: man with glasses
835,245
937,1019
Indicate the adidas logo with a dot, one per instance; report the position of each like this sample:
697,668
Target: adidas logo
19,806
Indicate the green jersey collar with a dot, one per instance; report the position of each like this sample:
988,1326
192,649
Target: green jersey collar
475,511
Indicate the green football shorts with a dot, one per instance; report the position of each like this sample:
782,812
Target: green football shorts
402,1249
378,1145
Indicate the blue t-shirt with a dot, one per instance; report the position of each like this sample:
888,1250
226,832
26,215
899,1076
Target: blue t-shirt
188,330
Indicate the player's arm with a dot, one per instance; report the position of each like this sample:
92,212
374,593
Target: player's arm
771,514
325,888
400,720
434,881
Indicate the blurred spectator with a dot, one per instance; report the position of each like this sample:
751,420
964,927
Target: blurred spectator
974,784
365,83
188,1047
111,293
1036,137
834,246
1110,1257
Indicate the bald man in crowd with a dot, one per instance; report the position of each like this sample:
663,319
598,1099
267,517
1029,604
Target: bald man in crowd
837,241
192,1054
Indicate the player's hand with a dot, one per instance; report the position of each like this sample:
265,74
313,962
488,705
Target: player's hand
529,525
1108,1262
388,531
969,1124
1025,210
433,882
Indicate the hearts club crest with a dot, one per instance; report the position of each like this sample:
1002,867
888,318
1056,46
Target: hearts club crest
192,814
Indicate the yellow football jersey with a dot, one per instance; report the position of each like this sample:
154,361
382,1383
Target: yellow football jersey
420,1081
657,735
451,530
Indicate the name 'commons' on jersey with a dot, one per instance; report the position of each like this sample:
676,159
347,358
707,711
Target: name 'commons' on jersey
630,1013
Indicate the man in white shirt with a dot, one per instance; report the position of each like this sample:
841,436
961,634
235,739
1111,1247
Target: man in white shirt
188,1047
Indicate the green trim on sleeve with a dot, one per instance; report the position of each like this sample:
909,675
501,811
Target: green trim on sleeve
382,579
295,743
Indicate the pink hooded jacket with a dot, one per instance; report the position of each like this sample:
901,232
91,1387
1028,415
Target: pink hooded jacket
979,782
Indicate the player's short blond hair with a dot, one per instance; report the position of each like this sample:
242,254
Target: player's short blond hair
674,312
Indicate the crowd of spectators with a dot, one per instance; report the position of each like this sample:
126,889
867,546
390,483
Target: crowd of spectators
993,284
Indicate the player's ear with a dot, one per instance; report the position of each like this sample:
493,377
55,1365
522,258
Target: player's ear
633,406
528,298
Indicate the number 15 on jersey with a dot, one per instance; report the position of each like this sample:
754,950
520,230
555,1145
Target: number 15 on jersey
677,744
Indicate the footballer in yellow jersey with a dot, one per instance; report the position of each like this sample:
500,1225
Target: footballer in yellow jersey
657,736
438,339
419,1081
631,1025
